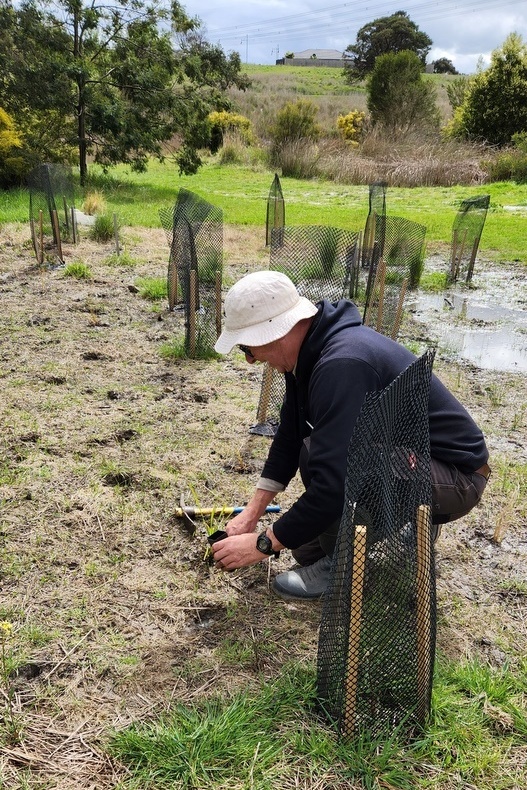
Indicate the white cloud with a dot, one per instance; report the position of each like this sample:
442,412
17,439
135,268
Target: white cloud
465,31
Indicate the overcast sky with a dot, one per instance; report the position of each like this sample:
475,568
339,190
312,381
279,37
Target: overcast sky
465,31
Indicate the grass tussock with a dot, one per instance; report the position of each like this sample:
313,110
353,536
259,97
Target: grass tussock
276,736
78,271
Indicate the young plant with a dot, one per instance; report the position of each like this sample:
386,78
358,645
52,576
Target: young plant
152,288
8,693
78,270
104,228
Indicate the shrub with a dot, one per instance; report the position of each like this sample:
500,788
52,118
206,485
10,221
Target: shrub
152,288
12,164
351,126
233,150
122,259
295,121
222,122
457,91
509,165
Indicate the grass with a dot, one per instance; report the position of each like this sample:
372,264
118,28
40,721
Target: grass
152,288
242,193
78,270
274,736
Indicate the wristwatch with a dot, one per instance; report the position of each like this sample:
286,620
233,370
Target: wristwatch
264,544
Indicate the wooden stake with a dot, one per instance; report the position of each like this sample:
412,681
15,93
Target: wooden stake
192,314
371,298
399,311
56,233
424,625
470,270
116,234
352,665
372,228
172,284
459,255
66,215
354,280
73,225
382,281
453,254
218,303
41,236
33,236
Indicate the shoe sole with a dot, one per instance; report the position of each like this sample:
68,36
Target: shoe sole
289,597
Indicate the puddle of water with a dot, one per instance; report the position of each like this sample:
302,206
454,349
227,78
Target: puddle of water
475,327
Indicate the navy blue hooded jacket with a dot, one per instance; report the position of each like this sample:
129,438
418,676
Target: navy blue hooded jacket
340,361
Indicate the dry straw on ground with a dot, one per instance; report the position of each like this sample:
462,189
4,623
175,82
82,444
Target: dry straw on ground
116,616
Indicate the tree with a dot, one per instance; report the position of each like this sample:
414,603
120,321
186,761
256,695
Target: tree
444,66
388,34
114,77
398,97
494,107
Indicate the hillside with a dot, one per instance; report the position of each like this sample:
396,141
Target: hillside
272,86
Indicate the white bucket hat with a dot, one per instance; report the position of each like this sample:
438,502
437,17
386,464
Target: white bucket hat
259,308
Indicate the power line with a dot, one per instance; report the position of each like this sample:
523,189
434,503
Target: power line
347,13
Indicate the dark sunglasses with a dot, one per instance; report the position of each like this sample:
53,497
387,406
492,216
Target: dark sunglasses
246,350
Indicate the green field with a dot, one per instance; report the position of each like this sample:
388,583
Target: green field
242,195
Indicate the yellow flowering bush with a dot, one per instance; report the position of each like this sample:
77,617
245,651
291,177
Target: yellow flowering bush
351,126
223,121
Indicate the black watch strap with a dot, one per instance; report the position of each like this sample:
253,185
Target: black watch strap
264,544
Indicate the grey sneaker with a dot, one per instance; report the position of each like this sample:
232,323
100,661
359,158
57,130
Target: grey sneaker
305,583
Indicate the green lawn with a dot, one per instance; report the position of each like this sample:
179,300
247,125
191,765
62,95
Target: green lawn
242,195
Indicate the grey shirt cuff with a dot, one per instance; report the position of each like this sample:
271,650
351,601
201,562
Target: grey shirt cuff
266,484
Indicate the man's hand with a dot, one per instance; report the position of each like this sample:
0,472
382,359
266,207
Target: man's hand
241,524
237,551
247,520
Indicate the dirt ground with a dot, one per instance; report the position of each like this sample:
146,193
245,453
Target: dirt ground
116,614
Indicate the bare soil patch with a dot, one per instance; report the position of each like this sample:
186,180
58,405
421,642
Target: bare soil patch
116,615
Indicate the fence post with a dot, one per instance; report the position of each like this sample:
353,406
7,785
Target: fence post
423,585
192,314
56,233
218,303
352,665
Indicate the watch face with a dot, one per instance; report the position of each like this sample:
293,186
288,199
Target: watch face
263,544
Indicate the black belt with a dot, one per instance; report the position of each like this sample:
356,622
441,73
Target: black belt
484,470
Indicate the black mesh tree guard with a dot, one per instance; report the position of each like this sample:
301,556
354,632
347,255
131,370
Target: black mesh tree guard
466,235
373,240
51,207
275,209
194,230
377,636
323,262
397,270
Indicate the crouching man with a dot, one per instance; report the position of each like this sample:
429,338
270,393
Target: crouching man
330,362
